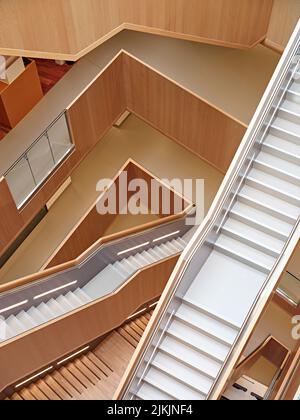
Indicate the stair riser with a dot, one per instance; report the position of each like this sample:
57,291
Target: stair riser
290,116
243,260
279,174
277,131
202,351
261,207
250,222
173,375
267,189
292,96
247,241
281,154
184,362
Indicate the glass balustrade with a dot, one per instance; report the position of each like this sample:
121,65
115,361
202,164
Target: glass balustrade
39,161
289,288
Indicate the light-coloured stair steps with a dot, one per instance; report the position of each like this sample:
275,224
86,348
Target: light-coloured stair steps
245,253
175,389
278,167
271,184
197,340
190,357
261,221
248,235
282,148
148,392
269,204
105,282
206,324
182,373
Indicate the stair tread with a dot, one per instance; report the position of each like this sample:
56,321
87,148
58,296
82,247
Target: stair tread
207,324
270,201
261,218
287,125
171,386
190,356
182,373
254,235
291,106
200,341
275,183
280,165
283,145
247,252
149,392
104,283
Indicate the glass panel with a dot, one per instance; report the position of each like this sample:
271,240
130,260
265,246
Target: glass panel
20,181
59,138
40,159
290,285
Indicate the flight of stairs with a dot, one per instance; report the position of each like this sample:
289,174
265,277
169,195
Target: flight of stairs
105,282
200,334
92,375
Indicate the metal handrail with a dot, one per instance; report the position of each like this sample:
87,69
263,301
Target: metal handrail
24,154
251,311
276,108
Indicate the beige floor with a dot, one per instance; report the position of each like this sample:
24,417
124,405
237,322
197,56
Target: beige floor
160,155
230,79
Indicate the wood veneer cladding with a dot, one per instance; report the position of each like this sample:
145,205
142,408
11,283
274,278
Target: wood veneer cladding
284,17
78,26
21,96
30,353
91,116
173,110
10,221
182,116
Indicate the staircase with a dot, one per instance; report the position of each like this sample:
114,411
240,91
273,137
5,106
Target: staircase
189,349
105,282
94,374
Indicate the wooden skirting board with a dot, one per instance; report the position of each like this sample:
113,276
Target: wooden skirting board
221,22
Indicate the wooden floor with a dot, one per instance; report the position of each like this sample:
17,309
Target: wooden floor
94,375
50,73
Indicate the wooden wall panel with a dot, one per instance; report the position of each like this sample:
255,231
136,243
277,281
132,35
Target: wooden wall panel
21,95
222,22
10,222
176,112
284,17
78,26
30,353
181,115
90,117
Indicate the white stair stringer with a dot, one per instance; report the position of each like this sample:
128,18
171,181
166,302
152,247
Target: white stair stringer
191,351
105,282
